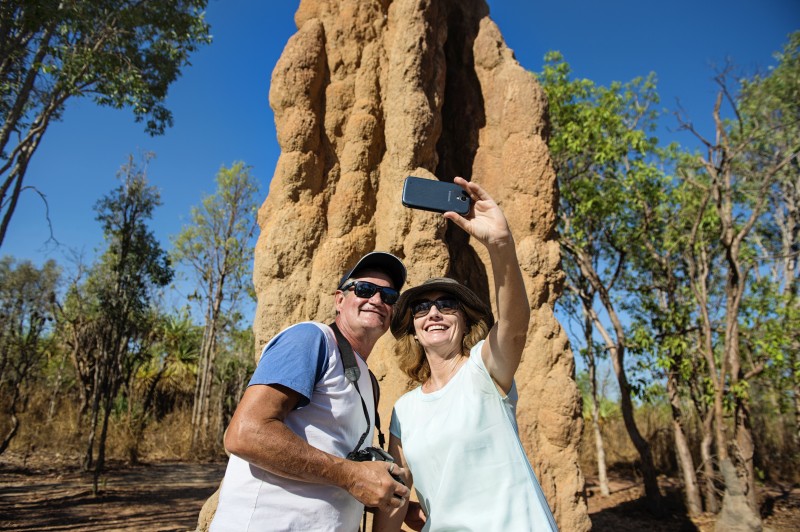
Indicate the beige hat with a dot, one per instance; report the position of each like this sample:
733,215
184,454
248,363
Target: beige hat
401,320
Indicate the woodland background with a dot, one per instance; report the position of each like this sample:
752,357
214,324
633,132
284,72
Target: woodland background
681,298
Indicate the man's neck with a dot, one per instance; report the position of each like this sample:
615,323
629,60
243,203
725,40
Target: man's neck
361,343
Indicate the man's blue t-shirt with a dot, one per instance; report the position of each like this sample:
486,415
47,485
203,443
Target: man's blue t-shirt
329,417
296,358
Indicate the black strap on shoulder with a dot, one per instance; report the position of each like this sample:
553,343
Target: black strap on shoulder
352,373
376,392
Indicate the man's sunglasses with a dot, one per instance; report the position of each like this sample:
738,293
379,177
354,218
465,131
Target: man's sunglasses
366,290
444,305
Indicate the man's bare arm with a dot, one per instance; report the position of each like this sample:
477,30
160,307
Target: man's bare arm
257,433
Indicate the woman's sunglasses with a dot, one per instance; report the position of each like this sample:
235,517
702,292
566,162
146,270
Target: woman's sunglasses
366,290
444,305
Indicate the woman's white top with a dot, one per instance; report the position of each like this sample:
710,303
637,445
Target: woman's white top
462,446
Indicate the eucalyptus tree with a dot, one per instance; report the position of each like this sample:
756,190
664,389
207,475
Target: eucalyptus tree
661,306
120,53
752,154
216,249
771,104
600,141
113,307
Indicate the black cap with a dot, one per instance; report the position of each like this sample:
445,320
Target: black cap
380,261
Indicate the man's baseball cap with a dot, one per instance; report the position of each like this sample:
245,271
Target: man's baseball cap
380,261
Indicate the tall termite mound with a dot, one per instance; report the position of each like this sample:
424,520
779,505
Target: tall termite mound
368,92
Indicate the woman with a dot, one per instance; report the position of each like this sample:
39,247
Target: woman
457,431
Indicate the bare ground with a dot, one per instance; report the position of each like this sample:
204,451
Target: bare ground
56,495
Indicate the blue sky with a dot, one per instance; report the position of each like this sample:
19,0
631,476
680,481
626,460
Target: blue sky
222,113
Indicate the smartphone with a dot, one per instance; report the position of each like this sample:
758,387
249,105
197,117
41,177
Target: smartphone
434,195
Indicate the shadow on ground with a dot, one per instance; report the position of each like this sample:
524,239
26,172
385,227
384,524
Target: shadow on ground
53,495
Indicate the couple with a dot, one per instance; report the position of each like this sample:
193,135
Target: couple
454,438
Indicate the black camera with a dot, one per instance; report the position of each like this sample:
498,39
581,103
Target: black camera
374,454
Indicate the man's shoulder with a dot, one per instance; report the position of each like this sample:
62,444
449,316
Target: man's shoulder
306,330
303,335
305,326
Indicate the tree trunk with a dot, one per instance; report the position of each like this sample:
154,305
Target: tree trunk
196,406
709,477
736,514
10,434
617,354
12,411
23,153
737,460
88,459
204,378
51,409
745,450
694,505
101,450
602,473
797,416
205,421
201,411
652,492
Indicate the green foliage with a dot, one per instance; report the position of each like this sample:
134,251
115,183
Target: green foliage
771,312
134,263
605,156
687,261
216,245
121,53
170,371
607,407
109,318
771,336
132,269
745,213
27,307
216,249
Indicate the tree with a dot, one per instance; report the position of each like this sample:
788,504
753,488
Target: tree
114,302
599,143
660,305
27,306
601,410
752,154
771,104
236,365
122,53
579,297
217,250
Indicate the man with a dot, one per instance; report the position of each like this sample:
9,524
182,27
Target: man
300,417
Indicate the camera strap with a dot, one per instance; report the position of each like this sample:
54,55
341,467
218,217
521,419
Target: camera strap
352,373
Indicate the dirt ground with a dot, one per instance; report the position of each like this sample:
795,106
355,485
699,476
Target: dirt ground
167,496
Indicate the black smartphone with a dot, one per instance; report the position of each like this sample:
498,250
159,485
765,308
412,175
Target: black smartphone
434,195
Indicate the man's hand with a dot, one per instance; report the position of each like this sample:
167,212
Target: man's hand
372,485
